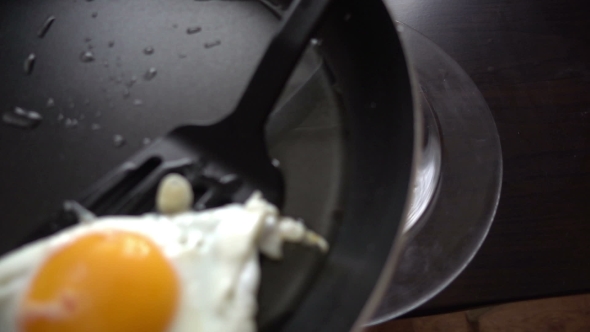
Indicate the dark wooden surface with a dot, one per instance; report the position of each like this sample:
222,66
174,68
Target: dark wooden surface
531,61
556,314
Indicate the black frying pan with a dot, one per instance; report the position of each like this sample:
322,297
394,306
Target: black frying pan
363,63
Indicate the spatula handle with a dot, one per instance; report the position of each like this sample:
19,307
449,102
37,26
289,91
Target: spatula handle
277,64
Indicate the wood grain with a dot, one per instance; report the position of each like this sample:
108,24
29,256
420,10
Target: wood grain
563,314
570,314
453,322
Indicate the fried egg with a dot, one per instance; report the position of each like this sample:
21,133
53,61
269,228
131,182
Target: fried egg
176,271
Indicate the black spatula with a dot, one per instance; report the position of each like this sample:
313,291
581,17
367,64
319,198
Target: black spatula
226,161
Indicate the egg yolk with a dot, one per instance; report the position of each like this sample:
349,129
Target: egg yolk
112,281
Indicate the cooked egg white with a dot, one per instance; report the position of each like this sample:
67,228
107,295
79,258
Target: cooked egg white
180,271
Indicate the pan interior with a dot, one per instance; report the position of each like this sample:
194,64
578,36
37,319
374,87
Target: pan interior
93,63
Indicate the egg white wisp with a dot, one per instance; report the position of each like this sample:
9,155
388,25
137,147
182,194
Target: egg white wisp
179,271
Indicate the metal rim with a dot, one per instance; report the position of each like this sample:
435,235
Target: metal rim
440,246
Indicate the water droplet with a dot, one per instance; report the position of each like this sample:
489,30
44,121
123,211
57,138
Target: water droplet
213,44
87,39
105,64
347,17
126,93
71,103
111,43
94,14
175,25
22,118
146,141
150,74
182,55
137,102
148,50
194,29
95,126
90,46
87,56
29,63
50,103
119,141
45,28
98,114
316,42
71,123
132,81
276,163
60,117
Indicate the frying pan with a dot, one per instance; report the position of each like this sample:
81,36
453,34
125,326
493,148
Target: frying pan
353,191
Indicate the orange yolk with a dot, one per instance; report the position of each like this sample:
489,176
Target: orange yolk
115,281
